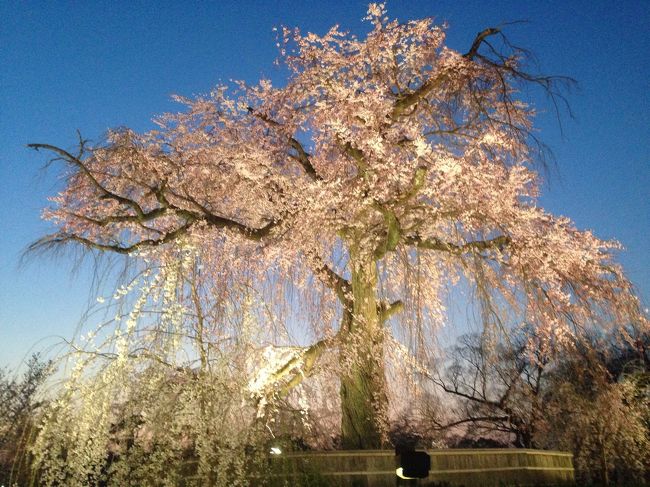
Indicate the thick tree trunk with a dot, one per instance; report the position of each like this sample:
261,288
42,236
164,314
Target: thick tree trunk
363,394
604,470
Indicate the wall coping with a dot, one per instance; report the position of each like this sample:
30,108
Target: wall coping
433,452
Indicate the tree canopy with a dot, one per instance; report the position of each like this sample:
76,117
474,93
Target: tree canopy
385,170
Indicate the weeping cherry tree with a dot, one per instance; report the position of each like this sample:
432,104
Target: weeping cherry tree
383,172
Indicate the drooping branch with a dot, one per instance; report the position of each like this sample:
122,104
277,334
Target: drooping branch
104,221
405,102
251,233
217,221
64,238
502,67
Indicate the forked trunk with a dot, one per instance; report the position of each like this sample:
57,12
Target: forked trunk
363,394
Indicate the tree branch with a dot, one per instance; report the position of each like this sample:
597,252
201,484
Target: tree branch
307,360
63,238
302,156
477,245
393,232
386,311
333,280
303,159
479,419
300,365
77,162
471,397
478,40
405,102
140,215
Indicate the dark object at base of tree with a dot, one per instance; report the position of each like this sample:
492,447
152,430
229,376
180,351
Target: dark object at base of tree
413,464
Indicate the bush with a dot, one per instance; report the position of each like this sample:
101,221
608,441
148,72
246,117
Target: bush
19,407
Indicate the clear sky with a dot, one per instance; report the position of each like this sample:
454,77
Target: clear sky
93,65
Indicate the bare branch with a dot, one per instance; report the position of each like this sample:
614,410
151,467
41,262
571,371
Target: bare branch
480,37
478,419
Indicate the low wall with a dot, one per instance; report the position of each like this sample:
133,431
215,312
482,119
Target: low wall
469,468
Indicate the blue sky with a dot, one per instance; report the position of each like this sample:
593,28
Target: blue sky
93,65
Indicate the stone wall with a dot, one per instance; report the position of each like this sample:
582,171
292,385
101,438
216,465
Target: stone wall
469,468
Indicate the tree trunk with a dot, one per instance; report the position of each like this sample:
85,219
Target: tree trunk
363,394
604,470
